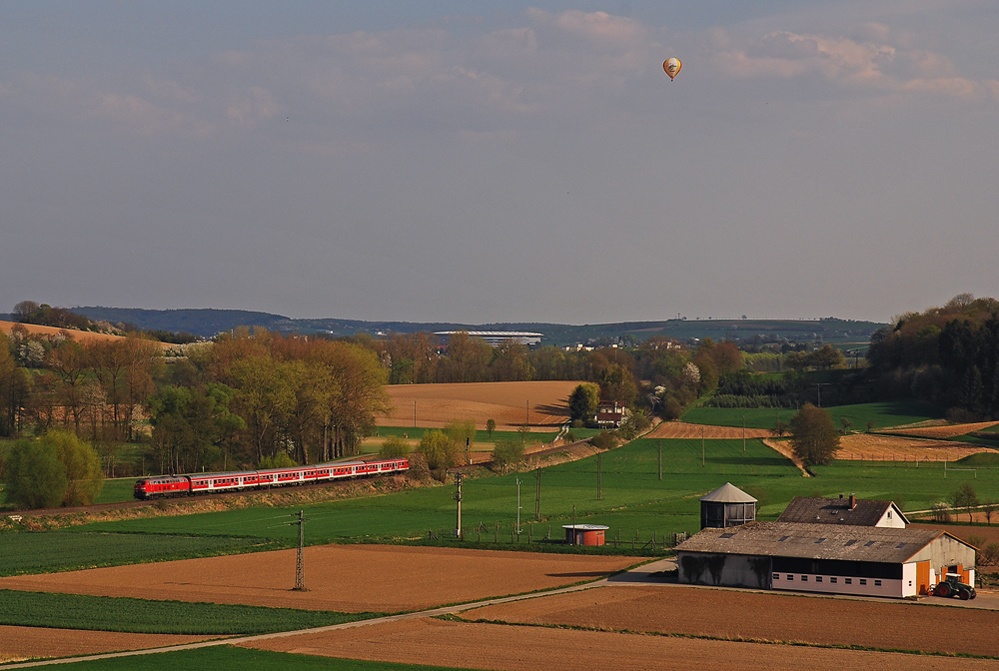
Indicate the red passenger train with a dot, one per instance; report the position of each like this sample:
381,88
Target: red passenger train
207,483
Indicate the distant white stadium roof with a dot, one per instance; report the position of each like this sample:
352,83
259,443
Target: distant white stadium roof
498,337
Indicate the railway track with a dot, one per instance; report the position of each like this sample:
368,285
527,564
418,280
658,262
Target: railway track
122,505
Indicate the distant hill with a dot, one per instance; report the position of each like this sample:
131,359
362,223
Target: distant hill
209,322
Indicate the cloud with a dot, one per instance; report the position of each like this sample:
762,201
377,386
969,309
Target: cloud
887,62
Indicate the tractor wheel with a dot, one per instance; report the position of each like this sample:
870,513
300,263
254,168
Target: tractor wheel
974,594
964,594
943,589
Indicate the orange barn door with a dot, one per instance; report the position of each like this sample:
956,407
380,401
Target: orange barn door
923,577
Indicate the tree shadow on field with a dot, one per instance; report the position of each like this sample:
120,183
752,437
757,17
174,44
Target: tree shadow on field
749,461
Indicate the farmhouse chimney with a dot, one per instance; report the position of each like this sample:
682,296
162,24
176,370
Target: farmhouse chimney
853,501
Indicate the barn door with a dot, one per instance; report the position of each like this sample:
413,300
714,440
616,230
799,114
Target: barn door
923,577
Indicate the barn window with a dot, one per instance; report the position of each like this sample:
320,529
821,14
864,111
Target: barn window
727,535
832,580
848,581
869,544
804,578
821,540
877,583
783,538
863,581
790,577
849,543
900,546
776,576
818,578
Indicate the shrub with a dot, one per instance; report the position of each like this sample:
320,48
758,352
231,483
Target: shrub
395,447
34,476
279,460
507,452
604,440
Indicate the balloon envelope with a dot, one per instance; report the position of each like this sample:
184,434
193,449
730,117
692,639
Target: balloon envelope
672,67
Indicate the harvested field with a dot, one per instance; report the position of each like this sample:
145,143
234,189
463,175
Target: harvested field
51,331
944,431
737,615
505,402
879,447
783,447
399,578
685,430
510,648
20,643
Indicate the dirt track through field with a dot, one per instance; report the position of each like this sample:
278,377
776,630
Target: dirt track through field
347,578
685,430
760,616
18,643
516,648
505,402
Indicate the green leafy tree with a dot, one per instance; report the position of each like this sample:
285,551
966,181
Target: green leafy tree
814,438
84,478
440,451
33,475
583,402
490,427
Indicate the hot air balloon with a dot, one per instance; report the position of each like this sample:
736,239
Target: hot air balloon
672,67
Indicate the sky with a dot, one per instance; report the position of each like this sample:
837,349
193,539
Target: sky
484,161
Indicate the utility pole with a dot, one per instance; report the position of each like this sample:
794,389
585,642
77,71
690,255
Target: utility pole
600,476
537,495
468,459
574,524
457,499
300,563
743,435
702,447
660,460
414,414
518,507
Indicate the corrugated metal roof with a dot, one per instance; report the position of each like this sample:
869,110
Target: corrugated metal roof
728,493
813,541
811,510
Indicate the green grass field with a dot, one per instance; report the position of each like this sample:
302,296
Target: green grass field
897,413
72,611
68,549
229,658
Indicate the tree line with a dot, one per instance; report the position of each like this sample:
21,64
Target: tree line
947,355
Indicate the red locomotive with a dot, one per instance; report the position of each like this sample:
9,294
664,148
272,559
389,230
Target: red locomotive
206,483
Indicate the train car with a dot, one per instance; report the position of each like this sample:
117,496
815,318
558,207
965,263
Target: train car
209,483
162,486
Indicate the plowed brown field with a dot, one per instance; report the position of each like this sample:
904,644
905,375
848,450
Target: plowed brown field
349,578
877,447
760,616
505,402
79,336
517,648
19,643
684,430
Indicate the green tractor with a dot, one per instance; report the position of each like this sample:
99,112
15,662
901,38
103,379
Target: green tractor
952,586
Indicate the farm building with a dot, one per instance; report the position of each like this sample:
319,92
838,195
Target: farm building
809,557
849,511
727,506
610,414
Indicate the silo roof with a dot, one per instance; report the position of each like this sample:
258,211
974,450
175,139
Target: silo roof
728,493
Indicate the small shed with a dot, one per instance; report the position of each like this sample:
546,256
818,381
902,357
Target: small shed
585,534
727,506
